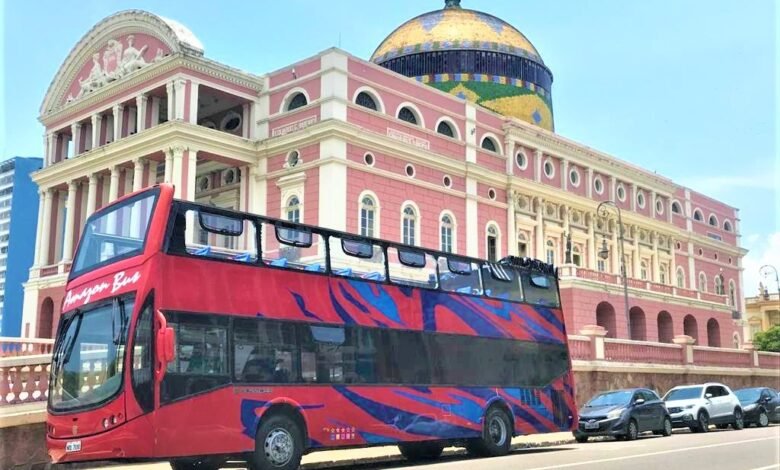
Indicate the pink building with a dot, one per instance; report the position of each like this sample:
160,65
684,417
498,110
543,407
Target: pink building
458,155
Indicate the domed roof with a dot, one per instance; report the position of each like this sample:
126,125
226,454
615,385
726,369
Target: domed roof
455,28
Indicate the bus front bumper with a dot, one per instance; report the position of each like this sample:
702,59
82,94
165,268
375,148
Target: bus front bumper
128,440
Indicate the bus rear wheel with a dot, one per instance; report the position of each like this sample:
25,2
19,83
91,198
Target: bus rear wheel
278,444
417,451
496,437
197,463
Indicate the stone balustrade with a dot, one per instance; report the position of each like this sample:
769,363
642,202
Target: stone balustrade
25,346
24,379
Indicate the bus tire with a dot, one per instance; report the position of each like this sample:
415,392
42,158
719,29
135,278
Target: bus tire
198,463
496,437
420,451
278,444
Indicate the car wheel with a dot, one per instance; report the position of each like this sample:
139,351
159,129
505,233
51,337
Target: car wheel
763,419
581,439
667,431
419,451
703,422
278,444
739,420
496,437
632,432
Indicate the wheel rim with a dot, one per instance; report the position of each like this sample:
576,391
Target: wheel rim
667,426
497,430
632,432
763,419
703,421
738,419
279,447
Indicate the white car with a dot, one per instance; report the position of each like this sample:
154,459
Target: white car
698,406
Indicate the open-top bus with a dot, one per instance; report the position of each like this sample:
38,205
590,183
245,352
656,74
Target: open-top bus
197,335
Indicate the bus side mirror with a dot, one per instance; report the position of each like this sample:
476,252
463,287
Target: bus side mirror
165,343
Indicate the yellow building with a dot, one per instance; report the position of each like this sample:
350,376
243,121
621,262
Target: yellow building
761,312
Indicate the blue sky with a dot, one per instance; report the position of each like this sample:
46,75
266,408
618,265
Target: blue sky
686,88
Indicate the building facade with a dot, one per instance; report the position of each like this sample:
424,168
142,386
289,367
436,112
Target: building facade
762,312
462,160
18,216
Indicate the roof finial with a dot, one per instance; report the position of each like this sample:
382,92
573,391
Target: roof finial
451,3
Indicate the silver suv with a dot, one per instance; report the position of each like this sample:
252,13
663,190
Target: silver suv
698,406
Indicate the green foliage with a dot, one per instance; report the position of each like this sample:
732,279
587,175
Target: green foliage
768,340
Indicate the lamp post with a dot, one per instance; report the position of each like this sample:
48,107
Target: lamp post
765,271
603,211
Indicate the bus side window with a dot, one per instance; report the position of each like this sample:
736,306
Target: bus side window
412,267
264,351
292,247
217,236
541,289
501,282
458,275
356,258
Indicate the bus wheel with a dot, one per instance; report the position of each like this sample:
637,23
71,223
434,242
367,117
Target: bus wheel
415,451
496,437
278,444
197,463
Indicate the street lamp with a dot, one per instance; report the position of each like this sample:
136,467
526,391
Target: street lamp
765,270
603,211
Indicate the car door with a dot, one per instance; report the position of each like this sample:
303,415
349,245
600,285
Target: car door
725,401
771,401
641,411
714,406
656,409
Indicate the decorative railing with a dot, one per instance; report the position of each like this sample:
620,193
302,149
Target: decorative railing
663,288
720,299
637,283
708,356
691,294
769,360
24,379
580,347
597,276
623,350
25,346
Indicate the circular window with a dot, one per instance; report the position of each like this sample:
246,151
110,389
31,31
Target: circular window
598,185
492,194
521,160
659,206
447,181
549,169
293,159
574,177
230,122
640,199
621,192
368,159
229,177
410,170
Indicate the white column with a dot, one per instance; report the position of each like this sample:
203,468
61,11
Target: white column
138,174
589,188
118,114
75,130
155,111
565,174
652,204
140,115
673,263
511,230
176,171
509,147
113,189
592,242
612,189
246,122
51,150
169,94
39,227
70,217
168,165
193,117
656,277
97,124
633,197
615,251
538,165
252,120
46,229
539,232
91,194
179,86
152,172
132,120
635,258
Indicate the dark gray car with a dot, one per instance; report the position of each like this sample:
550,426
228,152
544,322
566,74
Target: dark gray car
623,414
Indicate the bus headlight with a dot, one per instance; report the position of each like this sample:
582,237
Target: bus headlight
106,423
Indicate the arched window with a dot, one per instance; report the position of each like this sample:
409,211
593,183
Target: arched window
732,294
445,128
406,114
367,216
665,327
298,100
576,255
697,215
446,233
492,243
680,278
522,245
662,273
409,225
293,209
638,326
676,208
550,252
643,270
702,282
365,100
713,333
489,144
46,319
691,327
727,226
719,287
713,221
605,318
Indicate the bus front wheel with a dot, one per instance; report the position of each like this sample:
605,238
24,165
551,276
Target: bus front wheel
278,444
417,451
496,437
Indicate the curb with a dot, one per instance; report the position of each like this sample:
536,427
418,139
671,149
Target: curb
390,459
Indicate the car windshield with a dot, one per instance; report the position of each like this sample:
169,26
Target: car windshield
117,232
748,395
688,393
621,397
88,357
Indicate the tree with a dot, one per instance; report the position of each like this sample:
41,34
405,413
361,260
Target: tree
768,340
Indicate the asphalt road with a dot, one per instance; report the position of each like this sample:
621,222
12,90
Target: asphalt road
749,449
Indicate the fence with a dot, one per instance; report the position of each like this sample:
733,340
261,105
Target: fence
24,346
24,379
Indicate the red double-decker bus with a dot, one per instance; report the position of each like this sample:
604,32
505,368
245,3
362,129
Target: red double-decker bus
198,335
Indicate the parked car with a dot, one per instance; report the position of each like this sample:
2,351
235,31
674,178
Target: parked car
760,404
623,414
698,406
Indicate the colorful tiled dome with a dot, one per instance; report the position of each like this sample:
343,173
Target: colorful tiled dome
473,55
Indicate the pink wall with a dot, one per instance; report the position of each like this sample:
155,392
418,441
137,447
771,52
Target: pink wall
530,159
555,181
301,70
583,181
312,87
308,153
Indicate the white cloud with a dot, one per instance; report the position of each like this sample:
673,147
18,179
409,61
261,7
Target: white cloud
764,249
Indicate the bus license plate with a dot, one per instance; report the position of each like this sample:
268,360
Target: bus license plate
73,446
593,425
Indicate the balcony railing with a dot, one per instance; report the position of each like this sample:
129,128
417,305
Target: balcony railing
769,360
580,347
723,357
24,379
623,350
25,346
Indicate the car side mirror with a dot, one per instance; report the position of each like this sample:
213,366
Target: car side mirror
165,346
639,401
766,399
707,396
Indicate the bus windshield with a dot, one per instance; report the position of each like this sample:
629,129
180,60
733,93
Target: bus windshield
117,232
88,357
